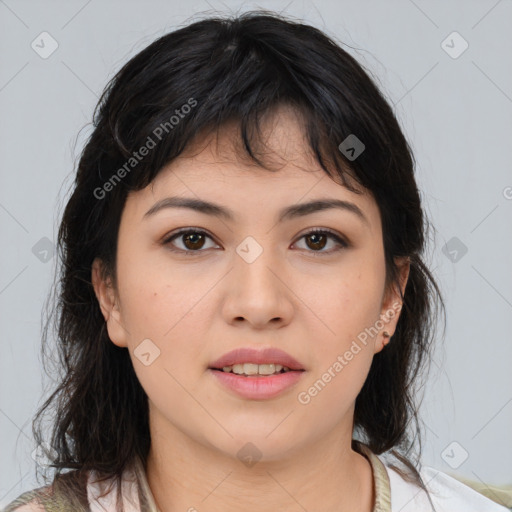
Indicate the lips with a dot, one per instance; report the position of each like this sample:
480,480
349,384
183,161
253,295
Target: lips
261,356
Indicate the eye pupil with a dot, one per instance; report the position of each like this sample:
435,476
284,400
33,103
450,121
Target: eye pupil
315,237
193,238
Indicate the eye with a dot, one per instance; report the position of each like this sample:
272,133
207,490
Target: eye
193,240
317,239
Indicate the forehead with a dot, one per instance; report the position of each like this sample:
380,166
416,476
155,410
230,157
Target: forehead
216,168
280,140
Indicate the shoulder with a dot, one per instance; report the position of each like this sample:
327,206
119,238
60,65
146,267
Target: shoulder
67,492
80,492
29,501
447,493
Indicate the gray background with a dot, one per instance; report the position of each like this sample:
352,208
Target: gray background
456,112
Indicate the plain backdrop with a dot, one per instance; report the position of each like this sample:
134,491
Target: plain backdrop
452,94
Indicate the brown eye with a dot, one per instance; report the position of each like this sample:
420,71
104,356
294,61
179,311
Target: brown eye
318,240
191,241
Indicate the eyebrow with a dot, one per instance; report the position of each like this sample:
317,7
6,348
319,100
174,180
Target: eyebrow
288,213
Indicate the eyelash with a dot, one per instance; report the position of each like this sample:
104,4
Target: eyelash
342,243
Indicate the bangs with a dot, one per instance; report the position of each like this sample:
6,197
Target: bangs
182,93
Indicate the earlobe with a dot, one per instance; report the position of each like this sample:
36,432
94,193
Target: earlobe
108,303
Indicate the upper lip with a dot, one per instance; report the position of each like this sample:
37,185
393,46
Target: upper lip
257,356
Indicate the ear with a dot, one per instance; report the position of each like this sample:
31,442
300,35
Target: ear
392,303
109,304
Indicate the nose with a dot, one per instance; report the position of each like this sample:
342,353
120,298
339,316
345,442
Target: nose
258,293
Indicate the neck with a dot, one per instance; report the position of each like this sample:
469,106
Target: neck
184,474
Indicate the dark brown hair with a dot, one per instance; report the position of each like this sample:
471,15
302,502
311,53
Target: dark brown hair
229,69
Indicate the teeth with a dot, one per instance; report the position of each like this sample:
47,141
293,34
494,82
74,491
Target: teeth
255,369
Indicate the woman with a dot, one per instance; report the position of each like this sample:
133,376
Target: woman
244,310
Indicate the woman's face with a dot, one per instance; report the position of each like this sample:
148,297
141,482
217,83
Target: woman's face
250,281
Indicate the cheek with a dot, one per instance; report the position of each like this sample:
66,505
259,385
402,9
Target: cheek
157,299
162,311
163,321
344,353
348,307
347,303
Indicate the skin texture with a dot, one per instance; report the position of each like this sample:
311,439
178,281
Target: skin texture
196,307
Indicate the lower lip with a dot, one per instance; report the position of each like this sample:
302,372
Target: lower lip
258,388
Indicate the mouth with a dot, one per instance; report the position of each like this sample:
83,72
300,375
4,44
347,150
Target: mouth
253,370
257,374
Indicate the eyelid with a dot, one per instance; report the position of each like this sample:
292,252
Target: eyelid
341,240
167,239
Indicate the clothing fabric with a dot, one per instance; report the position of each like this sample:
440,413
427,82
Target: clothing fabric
392,493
